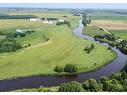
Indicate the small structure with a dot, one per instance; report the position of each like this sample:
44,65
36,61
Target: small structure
19,30
47,21
35,19
60,20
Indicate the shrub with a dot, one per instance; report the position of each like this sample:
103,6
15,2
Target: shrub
58,69
92,85
9,45
92,46
71,87
71,68
89,48
109,48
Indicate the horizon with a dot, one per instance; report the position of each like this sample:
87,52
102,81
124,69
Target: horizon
65,5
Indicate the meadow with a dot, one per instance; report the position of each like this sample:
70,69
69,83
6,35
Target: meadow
64,48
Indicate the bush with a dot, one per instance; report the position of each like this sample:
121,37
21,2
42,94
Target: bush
71,68
71,87
92,46
109,48
92,85
58,69
9,45
62,23
89,48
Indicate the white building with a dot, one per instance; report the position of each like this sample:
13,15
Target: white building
35,19
19,30
47,21
60,20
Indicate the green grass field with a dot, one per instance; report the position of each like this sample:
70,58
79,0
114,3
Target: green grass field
65,48
120,33
92,30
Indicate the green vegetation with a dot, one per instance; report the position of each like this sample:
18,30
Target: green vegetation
121,33
92,85
58,69
86,20
62,23
70,87
89,48
17,16
41,57
9,45
92,30
71,68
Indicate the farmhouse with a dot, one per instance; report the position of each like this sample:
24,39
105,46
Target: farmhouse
47,21
35,19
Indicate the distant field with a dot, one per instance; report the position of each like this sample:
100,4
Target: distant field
111,24
120,33
65,48
92,30
117,27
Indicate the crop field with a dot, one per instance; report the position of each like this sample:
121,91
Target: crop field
116,27
63,48
111,24
114,22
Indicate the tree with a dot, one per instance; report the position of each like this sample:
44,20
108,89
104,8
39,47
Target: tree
71,68
71,87
9,45
58,69
92,85
88,49
92,46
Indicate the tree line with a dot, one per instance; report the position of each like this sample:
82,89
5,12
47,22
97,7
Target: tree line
86,20
113,41
114,83
17,16
64,22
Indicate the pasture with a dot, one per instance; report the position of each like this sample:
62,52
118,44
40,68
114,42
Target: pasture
65,48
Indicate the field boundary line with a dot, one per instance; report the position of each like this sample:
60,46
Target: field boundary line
28,48
38,45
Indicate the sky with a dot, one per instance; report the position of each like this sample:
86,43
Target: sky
67,5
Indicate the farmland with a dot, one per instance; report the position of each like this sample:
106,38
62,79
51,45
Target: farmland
63,48
114,22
